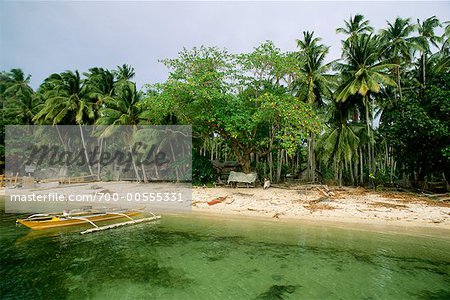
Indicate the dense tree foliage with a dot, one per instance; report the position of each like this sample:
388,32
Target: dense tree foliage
379,114
419,130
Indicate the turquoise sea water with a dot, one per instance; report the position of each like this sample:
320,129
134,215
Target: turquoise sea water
187,257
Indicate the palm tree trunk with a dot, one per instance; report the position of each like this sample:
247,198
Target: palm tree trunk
99,164
369,152
336,171
174,159
374,162
350,168
144,175
399,83
85,150
361,166
134,163
423,69
66,149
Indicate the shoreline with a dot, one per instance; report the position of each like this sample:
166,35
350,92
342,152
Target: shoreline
405,228
346,205
350,208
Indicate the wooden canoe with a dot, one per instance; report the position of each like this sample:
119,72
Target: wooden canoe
55,221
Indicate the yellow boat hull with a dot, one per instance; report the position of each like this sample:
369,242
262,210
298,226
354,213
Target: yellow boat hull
56,222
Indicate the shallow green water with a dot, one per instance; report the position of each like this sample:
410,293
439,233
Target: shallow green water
199,258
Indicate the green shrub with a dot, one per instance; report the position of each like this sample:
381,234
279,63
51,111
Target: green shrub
203,171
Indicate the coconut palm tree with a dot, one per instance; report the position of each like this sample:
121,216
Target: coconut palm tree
363,73
18,98
15,84
426,38
125,72
355,26
443,55
100,83
66,102
125,108
311,83
398,46
446,38
340,142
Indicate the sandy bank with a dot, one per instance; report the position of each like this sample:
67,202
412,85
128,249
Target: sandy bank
296,202
349,205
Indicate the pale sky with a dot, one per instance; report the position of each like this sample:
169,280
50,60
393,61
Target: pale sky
49,37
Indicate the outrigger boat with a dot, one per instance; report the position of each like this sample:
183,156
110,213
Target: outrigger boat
84,216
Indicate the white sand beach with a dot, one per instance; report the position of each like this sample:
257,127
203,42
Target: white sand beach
355,205
294,202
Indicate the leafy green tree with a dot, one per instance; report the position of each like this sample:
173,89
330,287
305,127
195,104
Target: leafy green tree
419,130
219,98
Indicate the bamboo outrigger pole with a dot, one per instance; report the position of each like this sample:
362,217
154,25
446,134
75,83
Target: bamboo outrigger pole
97,228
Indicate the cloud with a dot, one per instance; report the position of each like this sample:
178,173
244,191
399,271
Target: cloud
47,37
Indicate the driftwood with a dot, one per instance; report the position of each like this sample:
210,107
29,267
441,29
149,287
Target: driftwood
438,197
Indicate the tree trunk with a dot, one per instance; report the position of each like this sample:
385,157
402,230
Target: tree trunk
245,163
423,69
399,83
361,166
350,168
392,170
271,166
374,162
134,163
278,174
369,145
174,159
85,151
144,175
66,149
336,171
311,168
212,149
99,164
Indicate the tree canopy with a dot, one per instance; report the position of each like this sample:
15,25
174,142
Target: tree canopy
380,111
